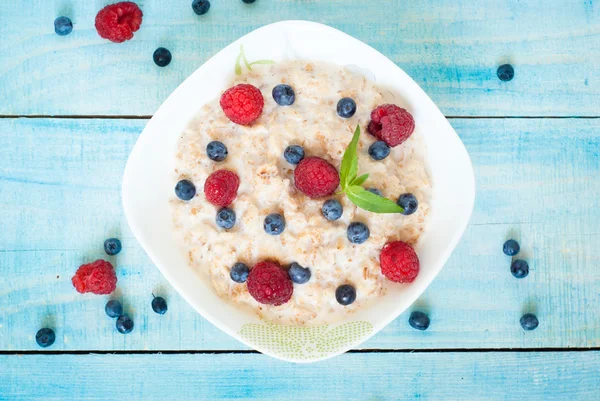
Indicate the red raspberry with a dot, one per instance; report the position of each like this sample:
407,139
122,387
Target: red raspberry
269,284
98,277
117,22
221,187
391,124
243,103
316,177
399,262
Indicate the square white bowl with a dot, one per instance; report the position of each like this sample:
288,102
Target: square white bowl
148,187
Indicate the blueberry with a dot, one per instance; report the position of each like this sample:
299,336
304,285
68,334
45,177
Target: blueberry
519,268
379,150
529,322
112,246
216,151
511,247
45,337
299,274
505,72
63,26
294,154
248,1
185,190
346,107
162,57
113,308
358,233
200,7
225,218
274,224
332,209
239,272
159,305
409,203
345,294
418,321
375,191
284,95
124,324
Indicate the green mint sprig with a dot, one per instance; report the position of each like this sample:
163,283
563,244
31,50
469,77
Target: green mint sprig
242,57
352,184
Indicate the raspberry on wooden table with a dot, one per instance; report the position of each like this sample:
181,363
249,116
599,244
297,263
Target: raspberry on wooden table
98,277
221,187
117,22
316,177
399,262
391,124
269,284
242,104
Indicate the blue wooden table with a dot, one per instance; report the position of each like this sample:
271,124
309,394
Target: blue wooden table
72,107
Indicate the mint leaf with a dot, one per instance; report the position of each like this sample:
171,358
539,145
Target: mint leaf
360,180
371,202
349,167
262,62
238,67
244,58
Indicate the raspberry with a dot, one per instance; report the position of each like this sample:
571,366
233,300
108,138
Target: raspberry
391,124
243,103
399,262
316,177
98,277
117,22
221,187
269,284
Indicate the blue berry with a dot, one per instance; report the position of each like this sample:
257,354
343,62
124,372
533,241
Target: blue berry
505,72
332,209
185,190
409,203
299,274
284,95
159,305
529,322
379,150
162,57
294,154
418,321
274,224
358,233
346,107
345,294
200,7
124,324
113,308
112,246
248,1
216,151
519,268
375,191
239,272
63,26
225,218
511,247
45,337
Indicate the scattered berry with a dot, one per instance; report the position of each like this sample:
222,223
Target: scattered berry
112,246
269,284
346,107
45,337
379,150
185,190
316,177
159,305
511,247
63,26
399,262
519,268
375,191
418,321
200,7
117,22
409,203
98,277
332,209
113,308
239,272
529,322
293,154
216,151
274,224
221,187
345,294
392,124
225,218
505,72
162,57
299,274
248,1
124,324
284,95
242,104
358,233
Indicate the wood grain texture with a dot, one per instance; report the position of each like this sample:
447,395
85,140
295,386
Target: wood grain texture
537,180
451,48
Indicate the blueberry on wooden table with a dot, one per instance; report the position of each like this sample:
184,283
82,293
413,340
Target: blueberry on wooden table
225,218
505,72
519,268
63,26
529,322
346,107
124,324
112,246
45,337
419,321
299,274
113,309
332,209
409,203
159,305
162,57
511,247
345,294
293,154
185,190
216,151
200,7
239,272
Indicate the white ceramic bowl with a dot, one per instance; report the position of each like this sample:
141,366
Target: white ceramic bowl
148,186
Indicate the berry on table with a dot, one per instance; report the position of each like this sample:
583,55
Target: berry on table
375,191
505,72
346,107
529,322
299,274
391,124
200,7
221,187
332,209
162,57
124,324
113,308
185,190
511,247
112,246
274,224
216,151
519,268
98,278
409,203
225,218
248,1
345,294
45,337
117,22
159,305
316,177
284,95
63,26
242,104
379,150
293,154
269,284
418,320
358,233
239,272
399,262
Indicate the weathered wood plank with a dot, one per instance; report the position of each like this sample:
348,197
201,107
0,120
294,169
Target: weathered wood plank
538,180
452,48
